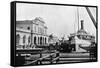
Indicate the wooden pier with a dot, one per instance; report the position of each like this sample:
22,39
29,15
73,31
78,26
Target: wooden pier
40,57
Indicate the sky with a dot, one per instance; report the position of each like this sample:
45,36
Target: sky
60,20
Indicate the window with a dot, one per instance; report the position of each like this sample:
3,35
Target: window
45,40
35,40
40,40
45,31
35,28
24,37
28,28
38,29
17,39
29,40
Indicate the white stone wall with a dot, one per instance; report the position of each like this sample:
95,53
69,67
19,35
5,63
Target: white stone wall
22,34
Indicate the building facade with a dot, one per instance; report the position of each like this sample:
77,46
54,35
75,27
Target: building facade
31,33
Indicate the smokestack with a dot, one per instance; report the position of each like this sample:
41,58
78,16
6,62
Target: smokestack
82,26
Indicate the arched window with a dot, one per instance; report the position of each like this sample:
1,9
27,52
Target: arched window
40,40
24,39
17,39
45,41
35,40
29,40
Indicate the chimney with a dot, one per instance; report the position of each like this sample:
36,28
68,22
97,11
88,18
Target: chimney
82,26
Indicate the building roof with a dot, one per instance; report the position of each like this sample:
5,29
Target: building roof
24,22
31,21
39,19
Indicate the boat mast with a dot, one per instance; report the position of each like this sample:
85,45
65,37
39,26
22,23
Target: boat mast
78,17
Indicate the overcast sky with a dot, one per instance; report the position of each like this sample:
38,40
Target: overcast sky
60,20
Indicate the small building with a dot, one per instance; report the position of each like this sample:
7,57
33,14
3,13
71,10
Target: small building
53,39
